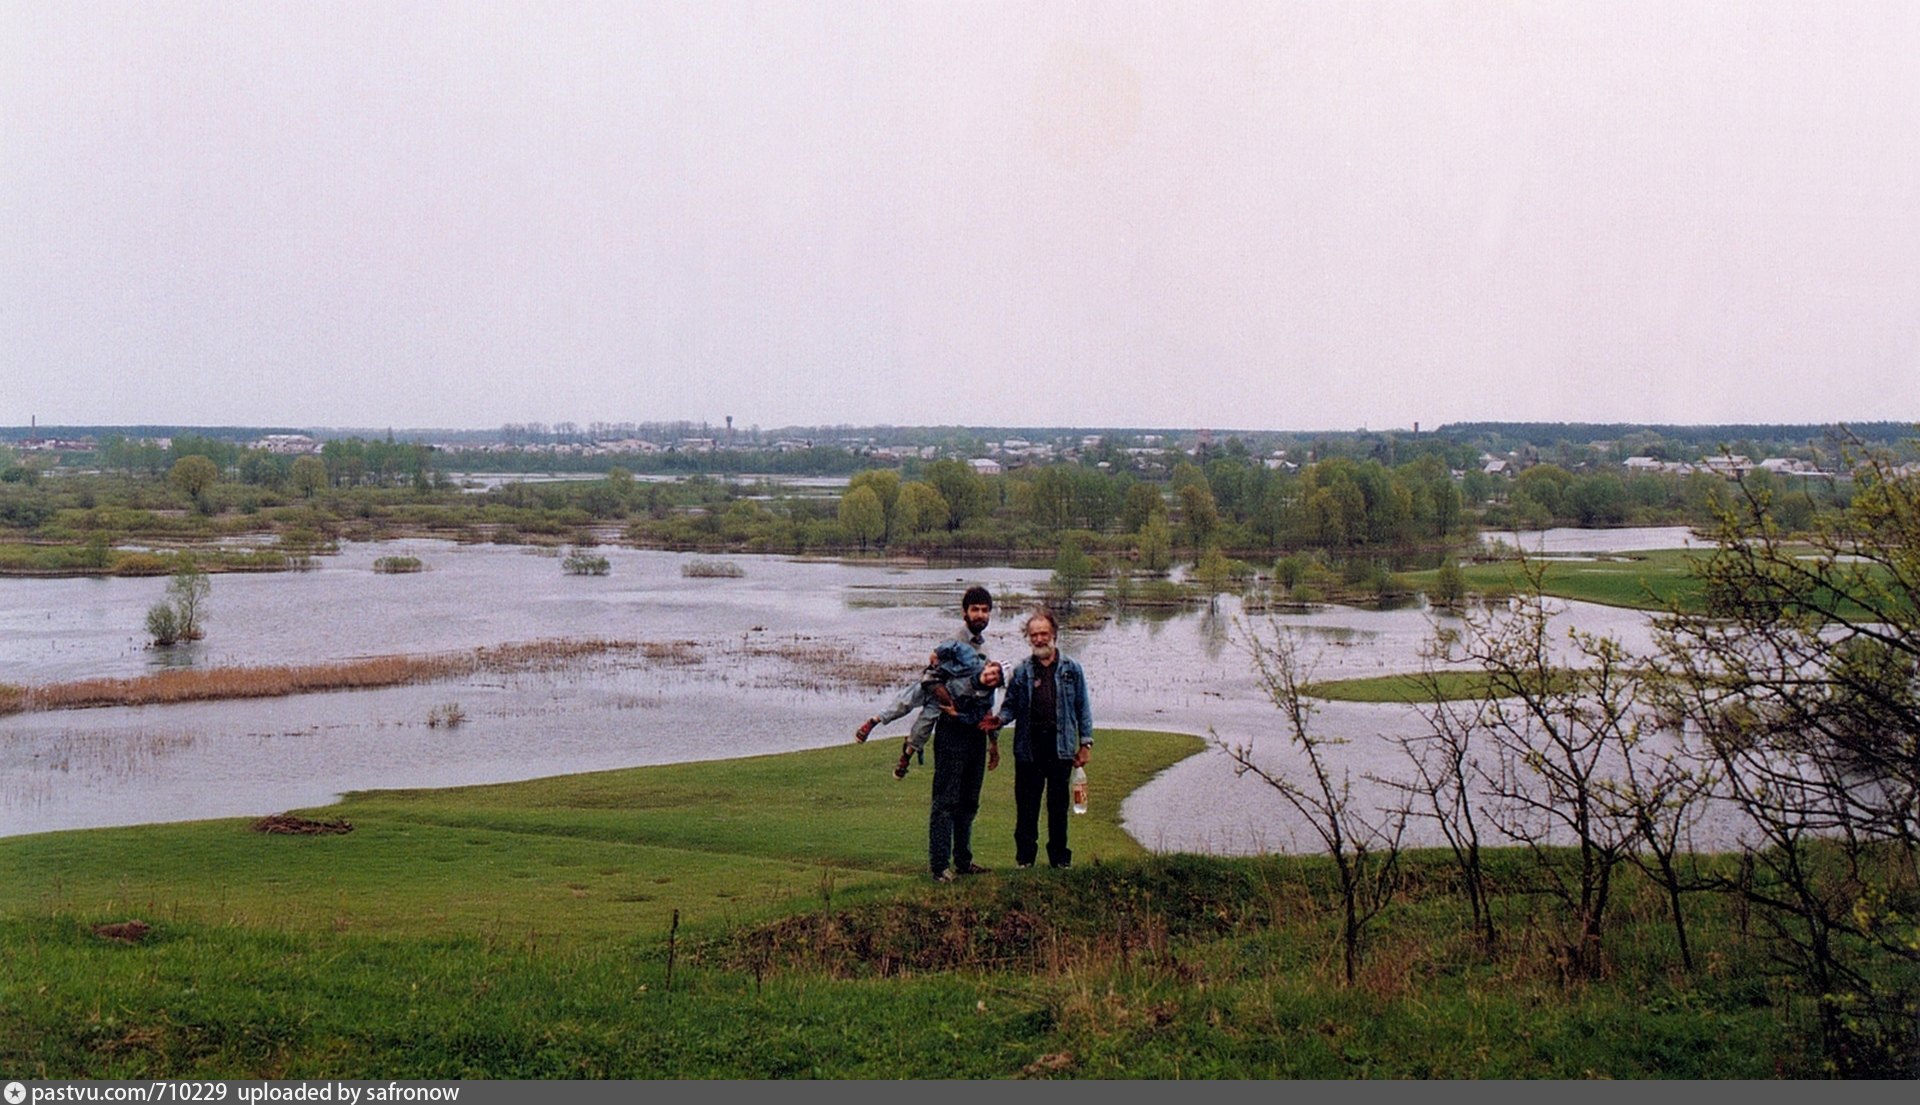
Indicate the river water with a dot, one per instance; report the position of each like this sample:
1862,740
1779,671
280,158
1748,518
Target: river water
790,655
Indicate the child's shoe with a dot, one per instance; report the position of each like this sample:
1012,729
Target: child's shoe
900,769
866,728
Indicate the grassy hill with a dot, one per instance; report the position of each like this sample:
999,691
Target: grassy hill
770,917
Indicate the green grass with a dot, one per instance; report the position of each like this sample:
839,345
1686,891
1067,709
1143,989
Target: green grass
1409,688
523,930
563,860
1638,580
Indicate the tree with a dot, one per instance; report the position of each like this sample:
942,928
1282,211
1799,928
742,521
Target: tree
180,616
1364,846
1197,513
1156,545
1214,573
192,476
921,509
1143,503
962,488
1803,674
188,591
863,516
1072,572
1553,736
309,476
1449,585
885,483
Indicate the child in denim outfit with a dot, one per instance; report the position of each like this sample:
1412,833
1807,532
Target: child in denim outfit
955,670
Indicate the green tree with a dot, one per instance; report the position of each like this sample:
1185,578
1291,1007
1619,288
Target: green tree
1072,572
192,476
308,476
862,515
963,489
921,508
1803,674
1214,573
1143,502
1449,585
885,483
1156,545
183,613
1198,515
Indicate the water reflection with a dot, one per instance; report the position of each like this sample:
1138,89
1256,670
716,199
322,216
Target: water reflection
788,656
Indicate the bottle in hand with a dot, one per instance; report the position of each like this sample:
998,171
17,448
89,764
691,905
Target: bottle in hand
1078,784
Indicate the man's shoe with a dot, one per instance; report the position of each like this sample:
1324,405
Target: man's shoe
866,728
1061,866
972,869
1024,866
946,877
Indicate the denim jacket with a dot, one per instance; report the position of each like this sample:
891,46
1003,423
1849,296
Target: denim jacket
1073,712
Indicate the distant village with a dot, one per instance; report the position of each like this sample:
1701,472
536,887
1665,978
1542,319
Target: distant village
988,457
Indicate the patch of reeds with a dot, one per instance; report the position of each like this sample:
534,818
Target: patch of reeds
214,684
712,569
831,665
397,565
447,715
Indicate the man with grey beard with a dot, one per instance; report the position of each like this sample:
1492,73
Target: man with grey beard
1047,704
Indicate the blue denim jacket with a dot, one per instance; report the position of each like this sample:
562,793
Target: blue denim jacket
1073,711
962,657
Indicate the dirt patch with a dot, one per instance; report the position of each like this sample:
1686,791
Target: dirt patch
126,932
1047,1065
290,825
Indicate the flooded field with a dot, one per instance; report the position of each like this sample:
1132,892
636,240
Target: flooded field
790,655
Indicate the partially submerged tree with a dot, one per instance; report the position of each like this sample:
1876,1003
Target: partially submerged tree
181,616
1072,572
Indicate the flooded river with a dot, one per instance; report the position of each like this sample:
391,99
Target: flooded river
790,655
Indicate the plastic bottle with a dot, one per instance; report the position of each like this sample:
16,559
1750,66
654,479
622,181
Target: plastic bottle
1078,782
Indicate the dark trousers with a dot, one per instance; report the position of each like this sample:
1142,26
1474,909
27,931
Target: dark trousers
1030,779
959,767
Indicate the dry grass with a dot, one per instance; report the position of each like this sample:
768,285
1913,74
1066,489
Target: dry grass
273,682
829,664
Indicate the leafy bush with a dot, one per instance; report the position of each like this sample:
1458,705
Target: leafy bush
579,563
395,565
163,625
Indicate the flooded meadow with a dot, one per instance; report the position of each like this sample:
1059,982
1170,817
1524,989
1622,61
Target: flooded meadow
791,654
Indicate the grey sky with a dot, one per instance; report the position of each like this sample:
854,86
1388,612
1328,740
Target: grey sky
1251,215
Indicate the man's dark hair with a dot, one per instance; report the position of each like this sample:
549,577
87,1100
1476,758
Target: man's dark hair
976,596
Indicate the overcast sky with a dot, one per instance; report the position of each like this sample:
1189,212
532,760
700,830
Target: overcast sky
1234,215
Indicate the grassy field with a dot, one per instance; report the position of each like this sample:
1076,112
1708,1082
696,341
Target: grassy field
1639,580
1452,685
529,930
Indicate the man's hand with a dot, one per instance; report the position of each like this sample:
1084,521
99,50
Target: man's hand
993,755
1080,758
990,723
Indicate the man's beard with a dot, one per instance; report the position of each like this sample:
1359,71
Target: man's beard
1043,653
976,627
